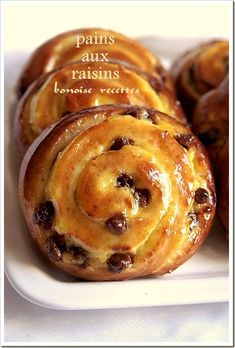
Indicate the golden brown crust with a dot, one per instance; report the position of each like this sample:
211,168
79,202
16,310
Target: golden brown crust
211,124
210,120
43,103
199,70
222,175
129,191
62,50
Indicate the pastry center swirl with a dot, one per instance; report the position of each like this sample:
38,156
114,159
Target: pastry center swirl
101,196
106,195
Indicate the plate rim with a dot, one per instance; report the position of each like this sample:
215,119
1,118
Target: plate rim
217,280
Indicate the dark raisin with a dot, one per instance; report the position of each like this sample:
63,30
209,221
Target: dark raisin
201,196
118,262
53,251
185,140
117,224
209,137
60,241
139,113
125,180
118,143
80,256
143,197
44,214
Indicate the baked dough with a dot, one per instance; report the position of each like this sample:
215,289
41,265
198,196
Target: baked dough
222,173
202,84
211,124
65,90
211,118
117,192
198,71
63,49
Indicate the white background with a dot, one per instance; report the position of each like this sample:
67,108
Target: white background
26,25
29,24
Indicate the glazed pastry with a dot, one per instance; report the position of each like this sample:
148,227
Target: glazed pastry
80,85
222,173
117,192
100,44
211,124
200,70
211,121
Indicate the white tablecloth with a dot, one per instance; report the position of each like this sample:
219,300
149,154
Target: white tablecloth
204,323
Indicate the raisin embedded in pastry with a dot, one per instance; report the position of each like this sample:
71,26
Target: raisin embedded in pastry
57,94
200,70
98,44
113,192
211,124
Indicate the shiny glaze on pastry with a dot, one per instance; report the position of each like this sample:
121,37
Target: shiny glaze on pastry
211,118
41,106
199,70
211,124
117,192
62,50
222,175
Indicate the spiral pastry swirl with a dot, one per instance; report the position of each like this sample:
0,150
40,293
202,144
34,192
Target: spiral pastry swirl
116,192
63,49
199,70
72,88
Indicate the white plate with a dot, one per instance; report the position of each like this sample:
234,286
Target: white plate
204,278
